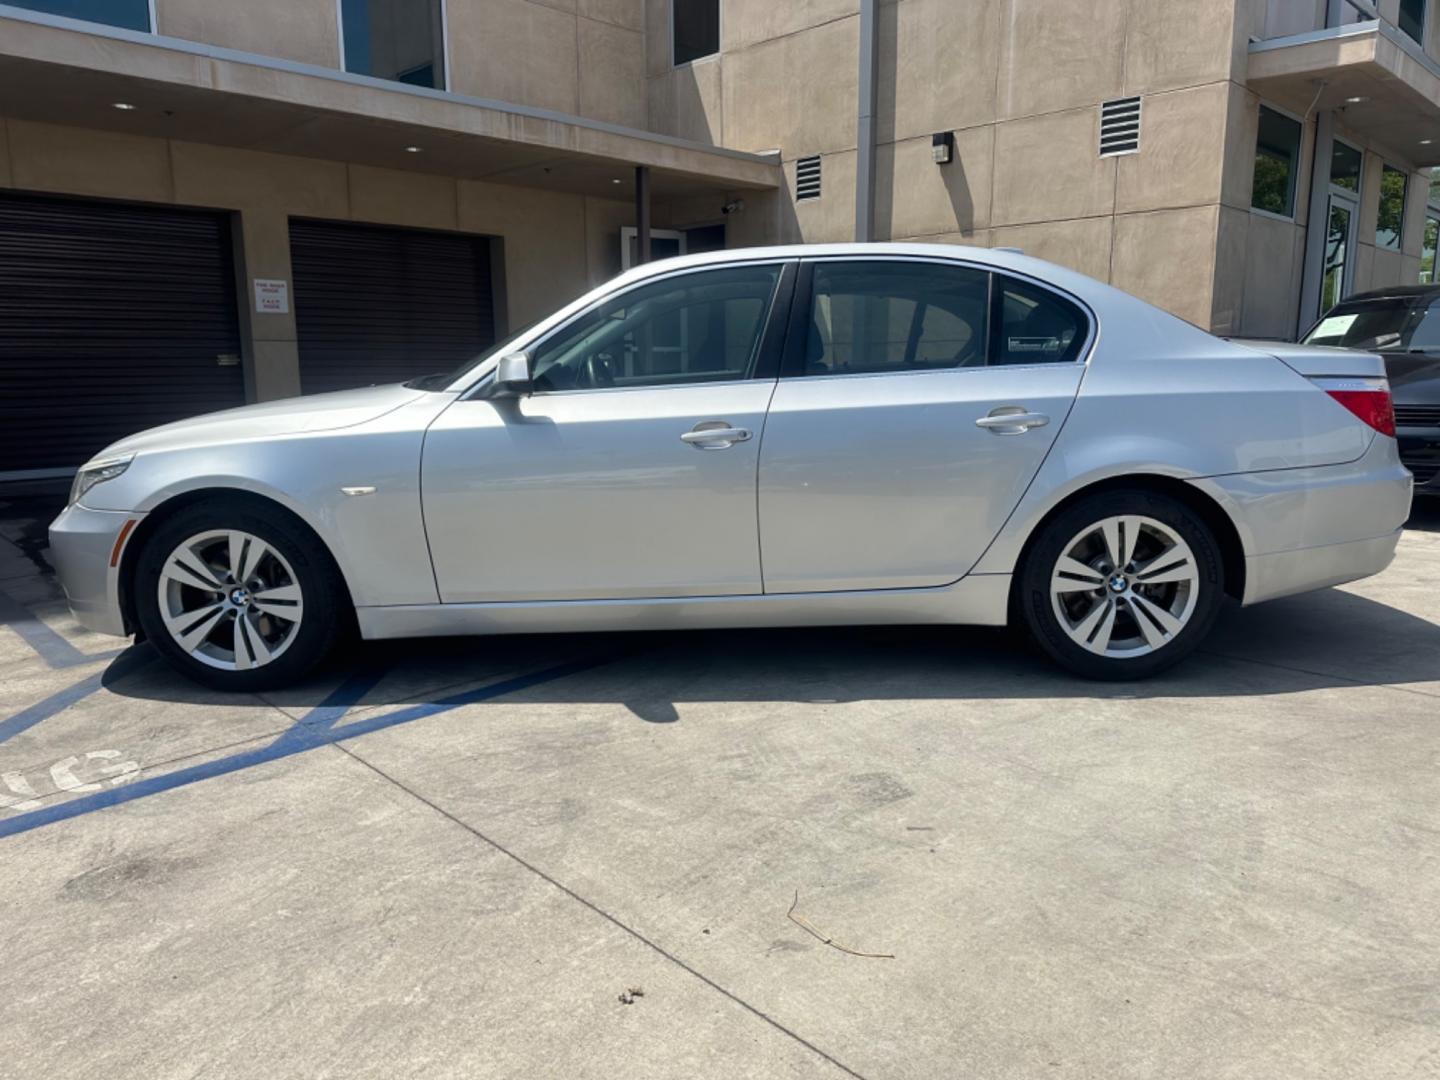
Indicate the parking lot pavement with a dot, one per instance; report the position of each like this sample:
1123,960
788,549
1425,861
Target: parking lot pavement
454,858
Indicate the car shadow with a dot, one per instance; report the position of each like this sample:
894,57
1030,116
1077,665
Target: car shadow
1320,640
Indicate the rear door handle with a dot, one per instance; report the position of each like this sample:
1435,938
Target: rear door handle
1011,420
715,435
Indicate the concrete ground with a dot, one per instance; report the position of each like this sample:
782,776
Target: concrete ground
455,858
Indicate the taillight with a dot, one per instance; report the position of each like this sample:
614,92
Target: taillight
1369,399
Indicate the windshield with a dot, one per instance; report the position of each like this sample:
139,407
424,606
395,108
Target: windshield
1398,325
441,379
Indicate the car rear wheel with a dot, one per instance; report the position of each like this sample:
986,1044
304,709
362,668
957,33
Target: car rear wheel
1122,585
239,597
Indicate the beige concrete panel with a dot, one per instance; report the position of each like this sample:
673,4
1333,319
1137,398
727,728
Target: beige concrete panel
1370,197
916,197
265,253
1388,269
796,94
627,13
276,369
1168,258
1417,196
657,36
221,176
687,102
303,30
1182,158
922,89
1228,296
1242,128
745,22
1059,54
1048,168
612,73
45,157
1082,244
1410,270
828,219
544,234
1364,268
516,51
1175,43
1270,275
391,197
604,218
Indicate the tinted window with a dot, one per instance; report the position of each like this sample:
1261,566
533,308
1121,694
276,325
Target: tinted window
402,40
1277,152
693,328
696,26
1035,325
1391,223
131,14
896,316
1375,324
1412,19
1345,164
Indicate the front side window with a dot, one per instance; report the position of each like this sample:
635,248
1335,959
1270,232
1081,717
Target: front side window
400,40
1390,225
1277,157
129,14
872,317
695,25
1412,19
692,328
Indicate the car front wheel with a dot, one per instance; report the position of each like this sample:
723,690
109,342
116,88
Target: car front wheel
1122,585
238,597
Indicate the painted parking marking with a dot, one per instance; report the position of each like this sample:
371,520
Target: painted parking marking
97,770
318,728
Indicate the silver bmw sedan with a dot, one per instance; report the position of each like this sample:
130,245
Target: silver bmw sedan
773,437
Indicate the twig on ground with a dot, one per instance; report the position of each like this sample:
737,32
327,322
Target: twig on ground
809,928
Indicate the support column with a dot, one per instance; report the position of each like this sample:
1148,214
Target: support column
865,127
1316,222
642,214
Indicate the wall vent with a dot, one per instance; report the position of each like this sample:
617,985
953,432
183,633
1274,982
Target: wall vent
1120,127
807,179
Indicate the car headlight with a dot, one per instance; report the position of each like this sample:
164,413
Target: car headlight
97,472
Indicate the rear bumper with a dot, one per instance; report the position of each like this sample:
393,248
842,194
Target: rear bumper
82,546
1311,528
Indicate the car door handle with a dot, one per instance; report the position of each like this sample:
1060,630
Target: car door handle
1011,420
715,435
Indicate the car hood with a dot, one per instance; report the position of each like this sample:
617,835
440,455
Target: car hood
1414,378
291,416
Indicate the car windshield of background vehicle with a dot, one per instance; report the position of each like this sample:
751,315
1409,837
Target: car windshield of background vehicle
1374,324
130,14
696,28
1277,151
401,40
1390,224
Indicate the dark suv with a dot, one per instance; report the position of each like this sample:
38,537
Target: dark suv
1402,324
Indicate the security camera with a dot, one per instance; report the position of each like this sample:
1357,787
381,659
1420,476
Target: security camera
733,207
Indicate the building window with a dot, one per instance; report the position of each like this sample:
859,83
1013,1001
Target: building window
1412,18
696,28
403,40
1390,225
1432,231
129,14
1277,158
1345,162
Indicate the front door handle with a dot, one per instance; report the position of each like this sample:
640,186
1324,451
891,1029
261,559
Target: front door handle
1011,420
715,435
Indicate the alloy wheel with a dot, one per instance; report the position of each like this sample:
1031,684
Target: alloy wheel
1125,586
230,600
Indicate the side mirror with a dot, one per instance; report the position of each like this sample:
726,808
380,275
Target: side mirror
512,376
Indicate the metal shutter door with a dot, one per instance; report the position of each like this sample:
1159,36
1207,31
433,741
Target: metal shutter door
378,305
112,318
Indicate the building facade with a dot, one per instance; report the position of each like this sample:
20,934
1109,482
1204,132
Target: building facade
205,202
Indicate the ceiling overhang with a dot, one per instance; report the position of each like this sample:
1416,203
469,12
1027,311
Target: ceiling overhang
63,71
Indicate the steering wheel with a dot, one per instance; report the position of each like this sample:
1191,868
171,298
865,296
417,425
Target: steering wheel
598,371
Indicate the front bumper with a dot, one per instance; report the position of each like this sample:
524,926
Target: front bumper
83,546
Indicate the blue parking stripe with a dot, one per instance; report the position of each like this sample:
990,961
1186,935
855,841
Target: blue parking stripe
51,647
130,660
296,740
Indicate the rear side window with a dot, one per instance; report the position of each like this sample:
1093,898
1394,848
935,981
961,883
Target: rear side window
1034,325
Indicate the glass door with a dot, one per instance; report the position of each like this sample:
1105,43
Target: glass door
1339,272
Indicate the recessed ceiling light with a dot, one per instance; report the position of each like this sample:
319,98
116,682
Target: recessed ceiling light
124,106
1353,100
617,181
412,149
1426,142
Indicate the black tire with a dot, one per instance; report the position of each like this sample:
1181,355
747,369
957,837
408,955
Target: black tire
1038,609
327,616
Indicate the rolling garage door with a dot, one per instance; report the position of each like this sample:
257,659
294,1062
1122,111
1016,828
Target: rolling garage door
113,318
378,305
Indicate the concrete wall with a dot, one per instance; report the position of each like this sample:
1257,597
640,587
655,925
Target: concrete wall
556,246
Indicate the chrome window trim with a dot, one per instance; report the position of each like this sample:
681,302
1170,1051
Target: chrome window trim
1092,337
